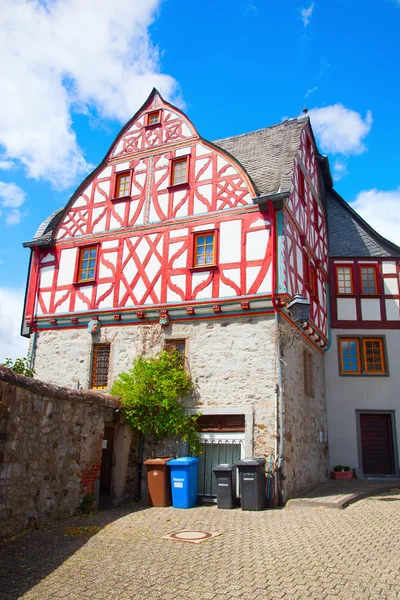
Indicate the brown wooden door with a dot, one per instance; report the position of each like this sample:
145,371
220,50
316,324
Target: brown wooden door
106,467
377,443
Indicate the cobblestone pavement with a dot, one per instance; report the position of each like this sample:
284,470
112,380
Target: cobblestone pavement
290,553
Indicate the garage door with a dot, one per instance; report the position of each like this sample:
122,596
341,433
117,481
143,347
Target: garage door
377,443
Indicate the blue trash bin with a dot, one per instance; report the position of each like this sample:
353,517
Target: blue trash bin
184,481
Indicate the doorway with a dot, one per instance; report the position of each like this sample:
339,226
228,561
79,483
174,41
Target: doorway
106,470
377,443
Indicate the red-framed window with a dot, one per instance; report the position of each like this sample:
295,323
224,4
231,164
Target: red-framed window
87,262
362,356
153,118
302,185
179,170
205,249
344,279
123,185
368,278
310,275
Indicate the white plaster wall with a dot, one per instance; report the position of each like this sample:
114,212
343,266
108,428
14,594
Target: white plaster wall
346,394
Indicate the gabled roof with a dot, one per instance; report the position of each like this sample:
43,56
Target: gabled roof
349,235
267,154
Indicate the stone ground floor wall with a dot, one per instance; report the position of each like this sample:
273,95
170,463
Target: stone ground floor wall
51,449
233,363
347,396
305,423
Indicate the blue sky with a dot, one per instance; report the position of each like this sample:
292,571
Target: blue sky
74,72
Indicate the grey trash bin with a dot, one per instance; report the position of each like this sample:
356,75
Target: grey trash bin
252,483
225,476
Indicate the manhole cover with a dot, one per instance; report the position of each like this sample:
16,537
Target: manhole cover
191,535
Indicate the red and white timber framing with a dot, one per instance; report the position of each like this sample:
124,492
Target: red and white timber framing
145,241
366,311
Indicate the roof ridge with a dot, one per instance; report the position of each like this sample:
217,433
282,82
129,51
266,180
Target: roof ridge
286,121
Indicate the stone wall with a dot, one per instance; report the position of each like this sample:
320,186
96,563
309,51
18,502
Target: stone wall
232,362
50,449
305,456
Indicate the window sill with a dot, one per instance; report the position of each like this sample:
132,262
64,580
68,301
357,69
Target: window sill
120,199
173,187
204,268
80,283
152,125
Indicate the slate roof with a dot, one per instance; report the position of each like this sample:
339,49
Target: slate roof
349,235
267,154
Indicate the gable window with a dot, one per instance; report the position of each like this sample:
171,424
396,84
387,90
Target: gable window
362,356
179,346
344,280
87,263
204,249
153,118
179,171
100,366
368,280
308,376
123,185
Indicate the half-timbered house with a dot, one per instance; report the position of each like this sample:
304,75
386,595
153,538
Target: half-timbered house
362,375
209,241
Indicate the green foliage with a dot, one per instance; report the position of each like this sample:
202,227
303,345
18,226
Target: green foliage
151,394
340,468
20,366
87,503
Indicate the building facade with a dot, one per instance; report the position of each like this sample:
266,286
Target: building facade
175,240
362,376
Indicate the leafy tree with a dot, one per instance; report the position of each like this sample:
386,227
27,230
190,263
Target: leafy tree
20,366
151,394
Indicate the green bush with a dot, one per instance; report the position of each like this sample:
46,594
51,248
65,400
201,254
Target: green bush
151,397
20,366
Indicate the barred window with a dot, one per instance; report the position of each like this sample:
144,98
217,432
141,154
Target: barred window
100,365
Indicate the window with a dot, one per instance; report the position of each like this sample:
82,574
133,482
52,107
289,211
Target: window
221,423
204,249
123,186
100,364
87,264
302,186
179,346
310,276
179,171
361,356
308,376
368,280
313,281
344,280
153,118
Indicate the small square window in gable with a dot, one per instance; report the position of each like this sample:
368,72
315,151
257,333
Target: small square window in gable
153,118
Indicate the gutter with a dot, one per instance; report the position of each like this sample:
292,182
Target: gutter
274,200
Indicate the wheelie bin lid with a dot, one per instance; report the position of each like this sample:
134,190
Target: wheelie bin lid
250,462
223,467
160,460
182,461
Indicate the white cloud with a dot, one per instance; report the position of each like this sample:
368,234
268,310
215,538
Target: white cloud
5,165
339,169
61,56
11,197
12,345
340,130
381,209
310,91
306,14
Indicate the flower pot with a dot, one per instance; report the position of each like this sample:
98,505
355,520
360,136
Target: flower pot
342,474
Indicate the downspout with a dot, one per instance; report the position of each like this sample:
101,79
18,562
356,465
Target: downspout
279,431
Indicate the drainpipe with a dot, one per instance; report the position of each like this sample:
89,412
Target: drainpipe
33,350
279,432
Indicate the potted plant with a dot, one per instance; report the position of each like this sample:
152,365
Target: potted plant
151,399
342,472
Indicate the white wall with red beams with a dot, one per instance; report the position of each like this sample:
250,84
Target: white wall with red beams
366,311
305,235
